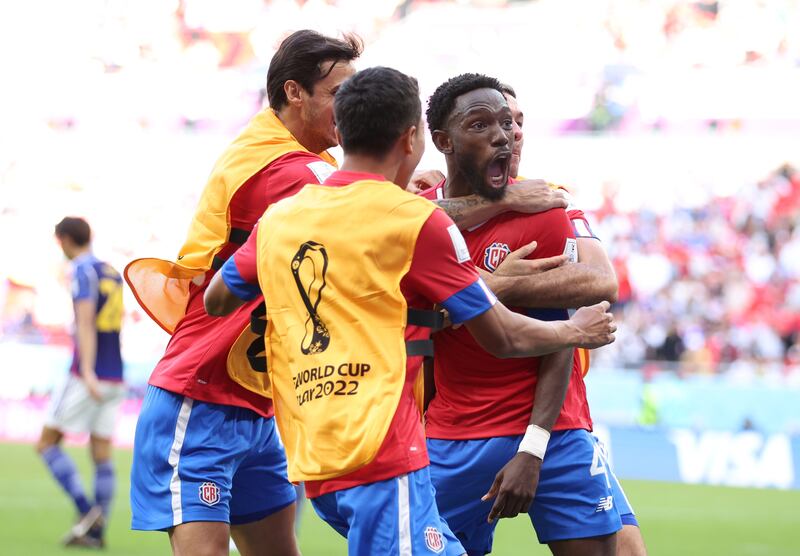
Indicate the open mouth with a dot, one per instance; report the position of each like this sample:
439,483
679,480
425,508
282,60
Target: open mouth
498,169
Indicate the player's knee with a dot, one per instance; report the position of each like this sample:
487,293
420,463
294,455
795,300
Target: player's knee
45,443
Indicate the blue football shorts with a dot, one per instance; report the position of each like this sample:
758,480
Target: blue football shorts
574,498
395,517
624,507
199,461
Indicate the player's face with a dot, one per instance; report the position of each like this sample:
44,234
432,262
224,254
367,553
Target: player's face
516,152
66,246
317,111
482,131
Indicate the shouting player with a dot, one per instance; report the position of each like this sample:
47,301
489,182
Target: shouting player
600,281
349,271
488,431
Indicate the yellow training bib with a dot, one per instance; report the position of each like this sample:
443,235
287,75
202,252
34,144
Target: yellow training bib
330,262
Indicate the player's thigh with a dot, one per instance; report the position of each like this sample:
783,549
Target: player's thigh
393,517
605,545
185,455
200,538
260,484
103,415
630,541
71,408
270,536
573,499
462,471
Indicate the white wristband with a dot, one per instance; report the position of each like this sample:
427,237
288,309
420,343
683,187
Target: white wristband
535,441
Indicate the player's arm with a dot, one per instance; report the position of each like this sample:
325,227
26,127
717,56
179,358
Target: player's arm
521,282
236,282
528,196
504,333
85,302
515,484
443,271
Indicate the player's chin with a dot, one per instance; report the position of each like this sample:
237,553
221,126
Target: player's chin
489,191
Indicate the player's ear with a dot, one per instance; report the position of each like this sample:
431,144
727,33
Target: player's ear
338,136
407,139
442,141
292,90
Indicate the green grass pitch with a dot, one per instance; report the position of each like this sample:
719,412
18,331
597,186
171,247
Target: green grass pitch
676,519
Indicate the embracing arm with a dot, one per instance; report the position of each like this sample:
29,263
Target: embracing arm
218,298
528,196
504,334
236,282
590,280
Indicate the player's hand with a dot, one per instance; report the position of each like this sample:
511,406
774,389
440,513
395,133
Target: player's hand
424,179
534,196
93,386
514,486
594,326
516,264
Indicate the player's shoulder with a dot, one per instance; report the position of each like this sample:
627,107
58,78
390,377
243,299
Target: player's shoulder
301,165
85,266
106,270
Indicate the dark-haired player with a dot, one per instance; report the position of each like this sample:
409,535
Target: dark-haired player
488,432
90,397
208,463
591,252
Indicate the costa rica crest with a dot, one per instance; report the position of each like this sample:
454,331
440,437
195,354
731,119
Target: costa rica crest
434,539
494,255
209,493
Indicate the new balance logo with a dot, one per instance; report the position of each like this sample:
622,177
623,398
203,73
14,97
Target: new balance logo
605,504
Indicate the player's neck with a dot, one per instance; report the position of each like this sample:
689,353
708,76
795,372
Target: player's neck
80,252
456,185
291,119
370,165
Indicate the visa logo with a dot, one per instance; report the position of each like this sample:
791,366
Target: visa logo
734,459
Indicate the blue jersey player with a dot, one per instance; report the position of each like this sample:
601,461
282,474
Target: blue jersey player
93,391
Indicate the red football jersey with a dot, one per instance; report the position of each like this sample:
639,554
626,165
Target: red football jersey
481,396
195,362
438,274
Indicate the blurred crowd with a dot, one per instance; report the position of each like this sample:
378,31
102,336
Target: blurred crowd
709,289
116,110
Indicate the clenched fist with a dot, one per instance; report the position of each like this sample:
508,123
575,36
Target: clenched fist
594,326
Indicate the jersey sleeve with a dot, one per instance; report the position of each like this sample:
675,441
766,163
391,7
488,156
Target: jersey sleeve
580,224
442,270
84,283
240,271
289,173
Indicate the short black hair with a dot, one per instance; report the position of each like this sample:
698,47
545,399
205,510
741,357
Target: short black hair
443,99
507,89
75,228
299,58
373,108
